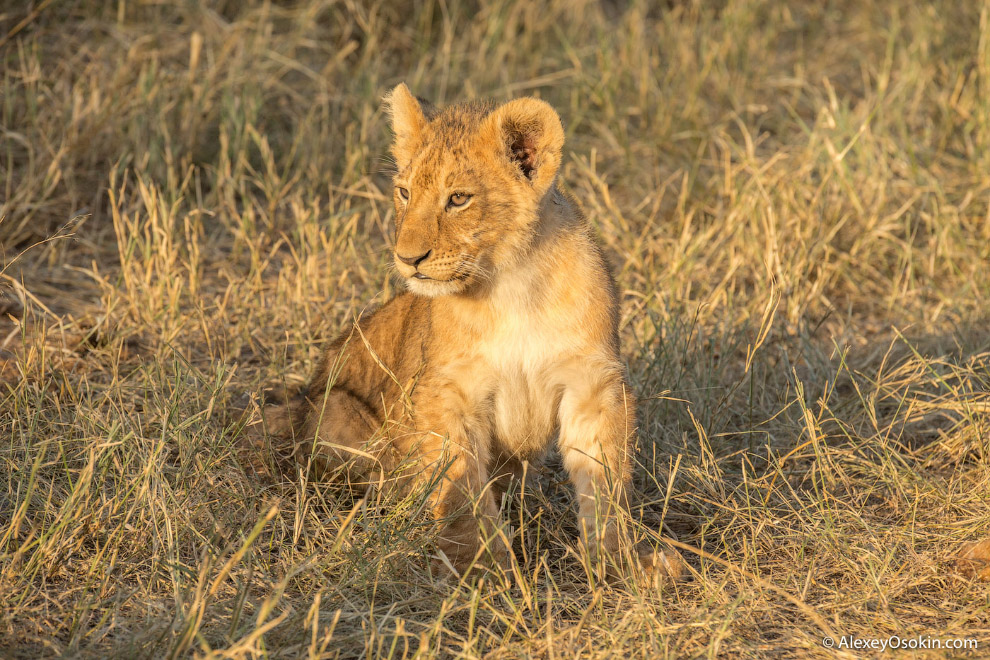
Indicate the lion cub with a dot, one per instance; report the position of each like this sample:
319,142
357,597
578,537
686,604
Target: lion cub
505,341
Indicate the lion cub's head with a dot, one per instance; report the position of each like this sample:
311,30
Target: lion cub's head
469,186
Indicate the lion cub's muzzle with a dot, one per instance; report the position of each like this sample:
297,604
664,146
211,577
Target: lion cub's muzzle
430,266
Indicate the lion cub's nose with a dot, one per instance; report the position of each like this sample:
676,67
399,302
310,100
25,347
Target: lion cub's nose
413,261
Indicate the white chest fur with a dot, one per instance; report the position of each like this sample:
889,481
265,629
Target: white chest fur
529,339
532,337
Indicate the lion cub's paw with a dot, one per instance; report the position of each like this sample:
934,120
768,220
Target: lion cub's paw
648,567
658,568
973,560
457,562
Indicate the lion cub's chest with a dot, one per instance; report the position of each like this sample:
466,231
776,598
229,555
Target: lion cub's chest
524,413
521,347
522,354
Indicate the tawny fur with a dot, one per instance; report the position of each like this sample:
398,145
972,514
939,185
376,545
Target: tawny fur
505,341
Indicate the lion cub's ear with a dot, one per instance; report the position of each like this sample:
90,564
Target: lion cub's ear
409,118
529,134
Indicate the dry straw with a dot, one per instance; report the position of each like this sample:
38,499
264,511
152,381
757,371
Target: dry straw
796,200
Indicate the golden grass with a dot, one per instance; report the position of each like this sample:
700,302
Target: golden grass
796,198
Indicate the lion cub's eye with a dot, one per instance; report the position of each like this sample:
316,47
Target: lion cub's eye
458,199
403,193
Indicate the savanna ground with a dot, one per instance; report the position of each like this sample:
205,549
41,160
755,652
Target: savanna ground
796,201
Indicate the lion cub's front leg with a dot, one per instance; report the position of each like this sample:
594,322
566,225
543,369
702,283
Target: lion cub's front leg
597,428
452,449
597,420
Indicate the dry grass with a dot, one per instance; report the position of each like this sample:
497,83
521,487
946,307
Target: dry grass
796,198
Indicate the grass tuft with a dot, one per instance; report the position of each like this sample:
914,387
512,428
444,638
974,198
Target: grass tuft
796,201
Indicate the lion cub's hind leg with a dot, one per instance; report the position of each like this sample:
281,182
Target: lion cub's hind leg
334,436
